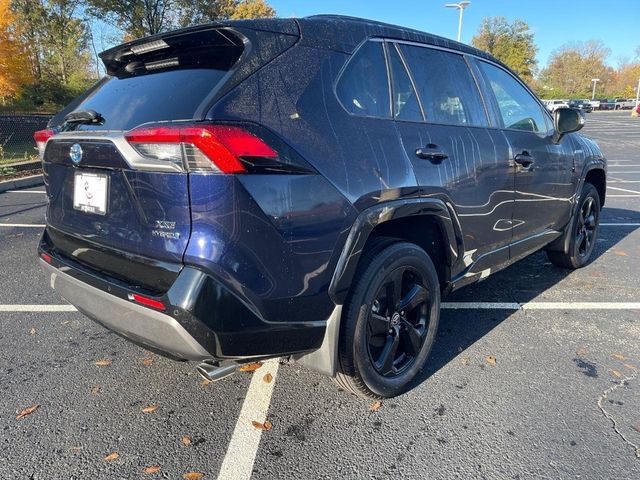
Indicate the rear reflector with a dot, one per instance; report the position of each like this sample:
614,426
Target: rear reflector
201,147
146,301
45,257
41,137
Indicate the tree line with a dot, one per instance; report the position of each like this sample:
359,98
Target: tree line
570,69
49,50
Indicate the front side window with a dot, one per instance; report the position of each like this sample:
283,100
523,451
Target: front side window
518,109
445,86
363,88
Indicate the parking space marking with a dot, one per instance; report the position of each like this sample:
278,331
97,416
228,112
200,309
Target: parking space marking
22,225
623,196
25,191
38,308
620,224
625,190
243,447
541,306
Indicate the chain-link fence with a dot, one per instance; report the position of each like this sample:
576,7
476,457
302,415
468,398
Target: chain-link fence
16,135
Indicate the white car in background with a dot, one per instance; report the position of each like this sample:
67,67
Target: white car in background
553,105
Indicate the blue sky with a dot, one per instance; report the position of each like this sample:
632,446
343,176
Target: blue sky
554,22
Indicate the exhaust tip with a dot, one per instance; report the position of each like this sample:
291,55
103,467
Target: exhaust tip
213,371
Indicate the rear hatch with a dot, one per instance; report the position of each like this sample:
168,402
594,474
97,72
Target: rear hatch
117,160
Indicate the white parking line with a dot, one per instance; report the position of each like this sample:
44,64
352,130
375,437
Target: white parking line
541,306
243,447
21,225
625,190
38,308
623,196
25,191
620,224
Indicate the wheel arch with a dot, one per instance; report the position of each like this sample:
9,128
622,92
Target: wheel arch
427,222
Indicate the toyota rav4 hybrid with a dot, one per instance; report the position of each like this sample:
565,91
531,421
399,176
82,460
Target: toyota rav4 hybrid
305,188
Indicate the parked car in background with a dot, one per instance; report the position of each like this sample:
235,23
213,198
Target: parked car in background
607,104
595,104
624,103
305,188
583,105
553,105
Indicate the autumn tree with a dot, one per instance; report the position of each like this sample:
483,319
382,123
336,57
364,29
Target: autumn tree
14,64
511,43
572,66
138,18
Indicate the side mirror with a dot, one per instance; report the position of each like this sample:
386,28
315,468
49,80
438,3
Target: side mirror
566,120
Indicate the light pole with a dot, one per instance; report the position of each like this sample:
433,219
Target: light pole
460,6
595,82
638,94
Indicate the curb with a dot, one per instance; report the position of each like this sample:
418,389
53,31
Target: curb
25,182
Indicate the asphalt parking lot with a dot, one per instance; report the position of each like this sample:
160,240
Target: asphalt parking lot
534,375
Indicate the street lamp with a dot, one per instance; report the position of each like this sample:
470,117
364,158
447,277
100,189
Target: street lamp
460,6
595,82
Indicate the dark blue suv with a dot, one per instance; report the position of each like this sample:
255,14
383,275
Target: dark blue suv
305,188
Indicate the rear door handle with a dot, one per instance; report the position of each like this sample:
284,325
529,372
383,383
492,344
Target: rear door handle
525,159
430,153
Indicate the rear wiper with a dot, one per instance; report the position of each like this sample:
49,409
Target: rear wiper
84,117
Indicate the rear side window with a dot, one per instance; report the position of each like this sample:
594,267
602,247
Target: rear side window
363,87
405,100
518,109
446,87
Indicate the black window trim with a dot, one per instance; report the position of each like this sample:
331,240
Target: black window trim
390,44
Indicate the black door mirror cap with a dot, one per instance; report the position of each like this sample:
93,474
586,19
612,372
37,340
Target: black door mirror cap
567,120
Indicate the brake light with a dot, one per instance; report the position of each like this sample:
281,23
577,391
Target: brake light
41,137
206,147
146,301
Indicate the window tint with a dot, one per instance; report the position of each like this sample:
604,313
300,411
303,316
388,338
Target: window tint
405,100
446,88
173,95
363,88
519,110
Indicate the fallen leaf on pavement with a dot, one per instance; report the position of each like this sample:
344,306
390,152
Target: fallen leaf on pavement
250,367
147,361
375,406
111,457
582,351
617,356
632,367
96,390
636,427
186,440
268,378
150,409
616,373
465,361
27,411
104,363
32,331
490,359
193,476
152,470
262,426
205,382
620,253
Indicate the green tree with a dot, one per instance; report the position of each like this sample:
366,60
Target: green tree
572,66
511,43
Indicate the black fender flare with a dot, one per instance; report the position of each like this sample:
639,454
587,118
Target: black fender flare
371,217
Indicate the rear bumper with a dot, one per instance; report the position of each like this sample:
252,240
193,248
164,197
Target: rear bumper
201,318
140,324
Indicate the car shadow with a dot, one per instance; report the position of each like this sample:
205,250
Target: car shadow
521,282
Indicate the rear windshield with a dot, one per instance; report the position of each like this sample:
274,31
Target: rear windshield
160,79
128,102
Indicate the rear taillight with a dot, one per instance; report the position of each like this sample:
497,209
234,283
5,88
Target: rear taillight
221,148
41,137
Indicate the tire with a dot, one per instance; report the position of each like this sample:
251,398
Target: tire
384,345
583,231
